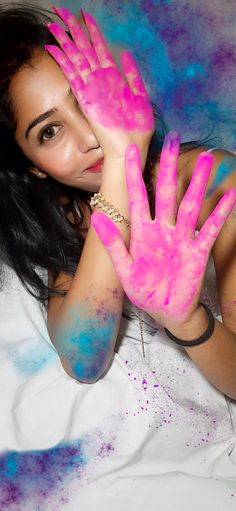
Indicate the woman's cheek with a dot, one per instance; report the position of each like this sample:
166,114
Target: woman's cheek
57,163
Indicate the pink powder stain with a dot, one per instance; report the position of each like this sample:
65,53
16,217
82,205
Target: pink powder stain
202,439
163,271
103,92
148,405
78,33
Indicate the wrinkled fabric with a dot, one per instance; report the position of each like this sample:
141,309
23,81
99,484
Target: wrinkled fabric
152,434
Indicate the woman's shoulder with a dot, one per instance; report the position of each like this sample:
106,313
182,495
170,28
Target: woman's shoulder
222,176
223,169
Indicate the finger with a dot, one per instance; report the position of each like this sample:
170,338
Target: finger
71,50
132,74
98,40
166,182
98,51
191,203
212,226
138,198
69,71
79,36
111,238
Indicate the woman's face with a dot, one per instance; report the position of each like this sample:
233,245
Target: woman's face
51,130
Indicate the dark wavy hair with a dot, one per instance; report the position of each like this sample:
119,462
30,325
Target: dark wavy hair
35,232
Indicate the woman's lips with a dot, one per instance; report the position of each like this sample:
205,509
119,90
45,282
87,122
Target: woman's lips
96,167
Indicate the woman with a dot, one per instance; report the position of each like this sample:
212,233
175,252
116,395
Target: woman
65,136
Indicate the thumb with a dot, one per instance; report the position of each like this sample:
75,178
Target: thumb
111,238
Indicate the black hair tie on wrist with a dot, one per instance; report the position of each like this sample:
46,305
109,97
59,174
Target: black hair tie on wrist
204,337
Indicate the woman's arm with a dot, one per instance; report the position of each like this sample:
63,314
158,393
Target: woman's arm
216,358
164,270
84,324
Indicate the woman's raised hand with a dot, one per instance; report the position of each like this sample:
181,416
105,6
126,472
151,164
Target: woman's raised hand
111,102
162,272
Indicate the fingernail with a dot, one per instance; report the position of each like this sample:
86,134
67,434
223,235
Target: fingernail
48,48
63,12
86,16
54,28
82,12
172,140
205,160
107,231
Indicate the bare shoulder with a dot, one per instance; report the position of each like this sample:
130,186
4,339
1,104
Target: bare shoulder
222,177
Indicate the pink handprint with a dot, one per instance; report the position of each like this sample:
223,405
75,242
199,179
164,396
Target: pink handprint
163,270
105,96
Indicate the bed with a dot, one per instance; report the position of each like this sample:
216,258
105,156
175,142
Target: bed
151,434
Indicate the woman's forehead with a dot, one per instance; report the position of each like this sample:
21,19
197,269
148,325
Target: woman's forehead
41,68
37,86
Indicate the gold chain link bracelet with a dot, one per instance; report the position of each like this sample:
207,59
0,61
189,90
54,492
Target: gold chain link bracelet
99,201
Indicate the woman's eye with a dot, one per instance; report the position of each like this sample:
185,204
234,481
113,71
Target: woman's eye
48,133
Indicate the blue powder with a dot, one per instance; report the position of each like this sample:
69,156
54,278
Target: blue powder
32,357
37,479
86,345
186,55
36,475
224,169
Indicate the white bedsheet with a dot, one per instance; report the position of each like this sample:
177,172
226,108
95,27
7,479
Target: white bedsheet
152,434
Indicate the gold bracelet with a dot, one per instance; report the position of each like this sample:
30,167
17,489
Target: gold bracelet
99,201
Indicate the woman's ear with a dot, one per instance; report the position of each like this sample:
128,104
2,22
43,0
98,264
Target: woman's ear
38,172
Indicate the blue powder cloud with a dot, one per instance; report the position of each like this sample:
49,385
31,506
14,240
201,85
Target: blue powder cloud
34,480
187,55
29,476
32,357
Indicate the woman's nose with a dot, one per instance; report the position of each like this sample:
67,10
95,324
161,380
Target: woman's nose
91,142
86,138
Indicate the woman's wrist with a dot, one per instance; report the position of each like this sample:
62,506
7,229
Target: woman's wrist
113,175
112,195
107,207
117,162
191,329
113,187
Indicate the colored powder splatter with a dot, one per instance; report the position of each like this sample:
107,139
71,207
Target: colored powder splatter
38,479
186,53
32,357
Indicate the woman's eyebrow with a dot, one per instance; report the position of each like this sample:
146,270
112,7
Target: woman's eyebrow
39,119
46,114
